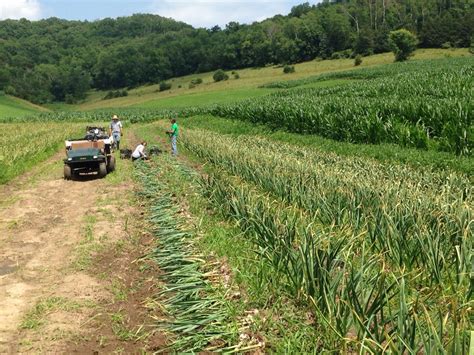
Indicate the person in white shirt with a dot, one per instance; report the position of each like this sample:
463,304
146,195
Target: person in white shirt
116,131
139,152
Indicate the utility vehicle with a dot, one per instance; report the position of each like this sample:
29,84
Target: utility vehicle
90,155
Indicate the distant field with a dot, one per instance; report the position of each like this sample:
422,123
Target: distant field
204,98
14,107
422,104
210,92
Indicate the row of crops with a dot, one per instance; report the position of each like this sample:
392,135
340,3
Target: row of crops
431,107
188,298
382,253
23,145
376,71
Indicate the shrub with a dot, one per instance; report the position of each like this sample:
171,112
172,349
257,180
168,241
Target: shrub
220,75
236,76
70,99
164,86
115,94
196,81
471,49
358,60
446,45
10,90
403,44
287,69
342,54
191,85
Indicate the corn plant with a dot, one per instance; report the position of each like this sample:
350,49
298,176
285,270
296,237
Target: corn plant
425,107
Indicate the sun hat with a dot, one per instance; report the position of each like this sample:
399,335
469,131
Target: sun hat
115,117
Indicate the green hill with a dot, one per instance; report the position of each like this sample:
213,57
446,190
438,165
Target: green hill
14,107
184,94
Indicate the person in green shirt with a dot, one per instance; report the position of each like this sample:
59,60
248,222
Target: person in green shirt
173,133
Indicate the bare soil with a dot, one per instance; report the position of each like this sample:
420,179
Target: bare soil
71,278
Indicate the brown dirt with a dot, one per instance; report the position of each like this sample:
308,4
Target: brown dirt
69,276
125,323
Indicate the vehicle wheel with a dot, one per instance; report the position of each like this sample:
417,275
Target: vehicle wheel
102,170
111,166
67,172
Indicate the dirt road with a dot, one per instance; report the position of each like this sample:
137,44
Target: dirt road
49,230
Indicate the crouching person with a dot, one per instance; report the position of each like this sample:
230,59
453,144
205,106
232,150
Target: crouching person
139,152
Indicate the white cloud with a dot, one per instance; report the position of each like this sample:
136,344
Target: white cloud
207,13
16,9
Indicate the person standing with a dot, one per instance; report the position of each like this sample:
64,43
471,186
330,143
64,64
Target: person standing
173,133
116,130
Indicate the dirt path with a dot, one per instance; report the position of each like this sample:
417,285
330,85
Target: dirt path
54,235
40,225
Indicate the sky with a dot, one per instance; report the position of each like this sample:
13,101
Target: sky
199,13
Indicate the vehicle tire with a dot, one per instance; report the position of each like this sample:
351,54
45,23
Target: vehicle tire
102,170
67,172
111,166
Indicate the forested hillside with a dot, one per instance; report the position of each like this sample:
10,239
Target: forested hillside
59,60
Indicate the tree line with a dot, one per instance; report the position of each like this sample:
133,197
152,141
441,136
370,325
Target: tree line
60,60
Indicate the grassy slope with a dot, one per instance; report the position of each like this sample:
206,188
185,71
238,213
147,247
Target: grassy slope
14,107
210,92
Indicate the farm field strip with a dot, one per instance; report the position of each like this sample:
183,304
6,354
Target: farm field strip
307,177
384,153
196,313
409,230
430,107
367,73
24,145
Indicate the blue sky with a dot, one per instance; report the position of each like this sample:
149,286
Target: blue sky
201,13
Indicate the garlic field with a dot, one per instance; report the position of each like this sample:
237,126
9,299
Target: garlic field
381,252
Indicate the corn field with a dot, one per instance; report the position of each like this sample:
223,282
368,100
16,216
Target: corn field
430,108
128,115
380,71
382,252
24,144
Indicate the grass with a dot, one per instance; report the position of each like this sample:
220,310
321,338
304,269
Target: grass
37,316
14,107
119,327
88,246
204,98
381,152
250,79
